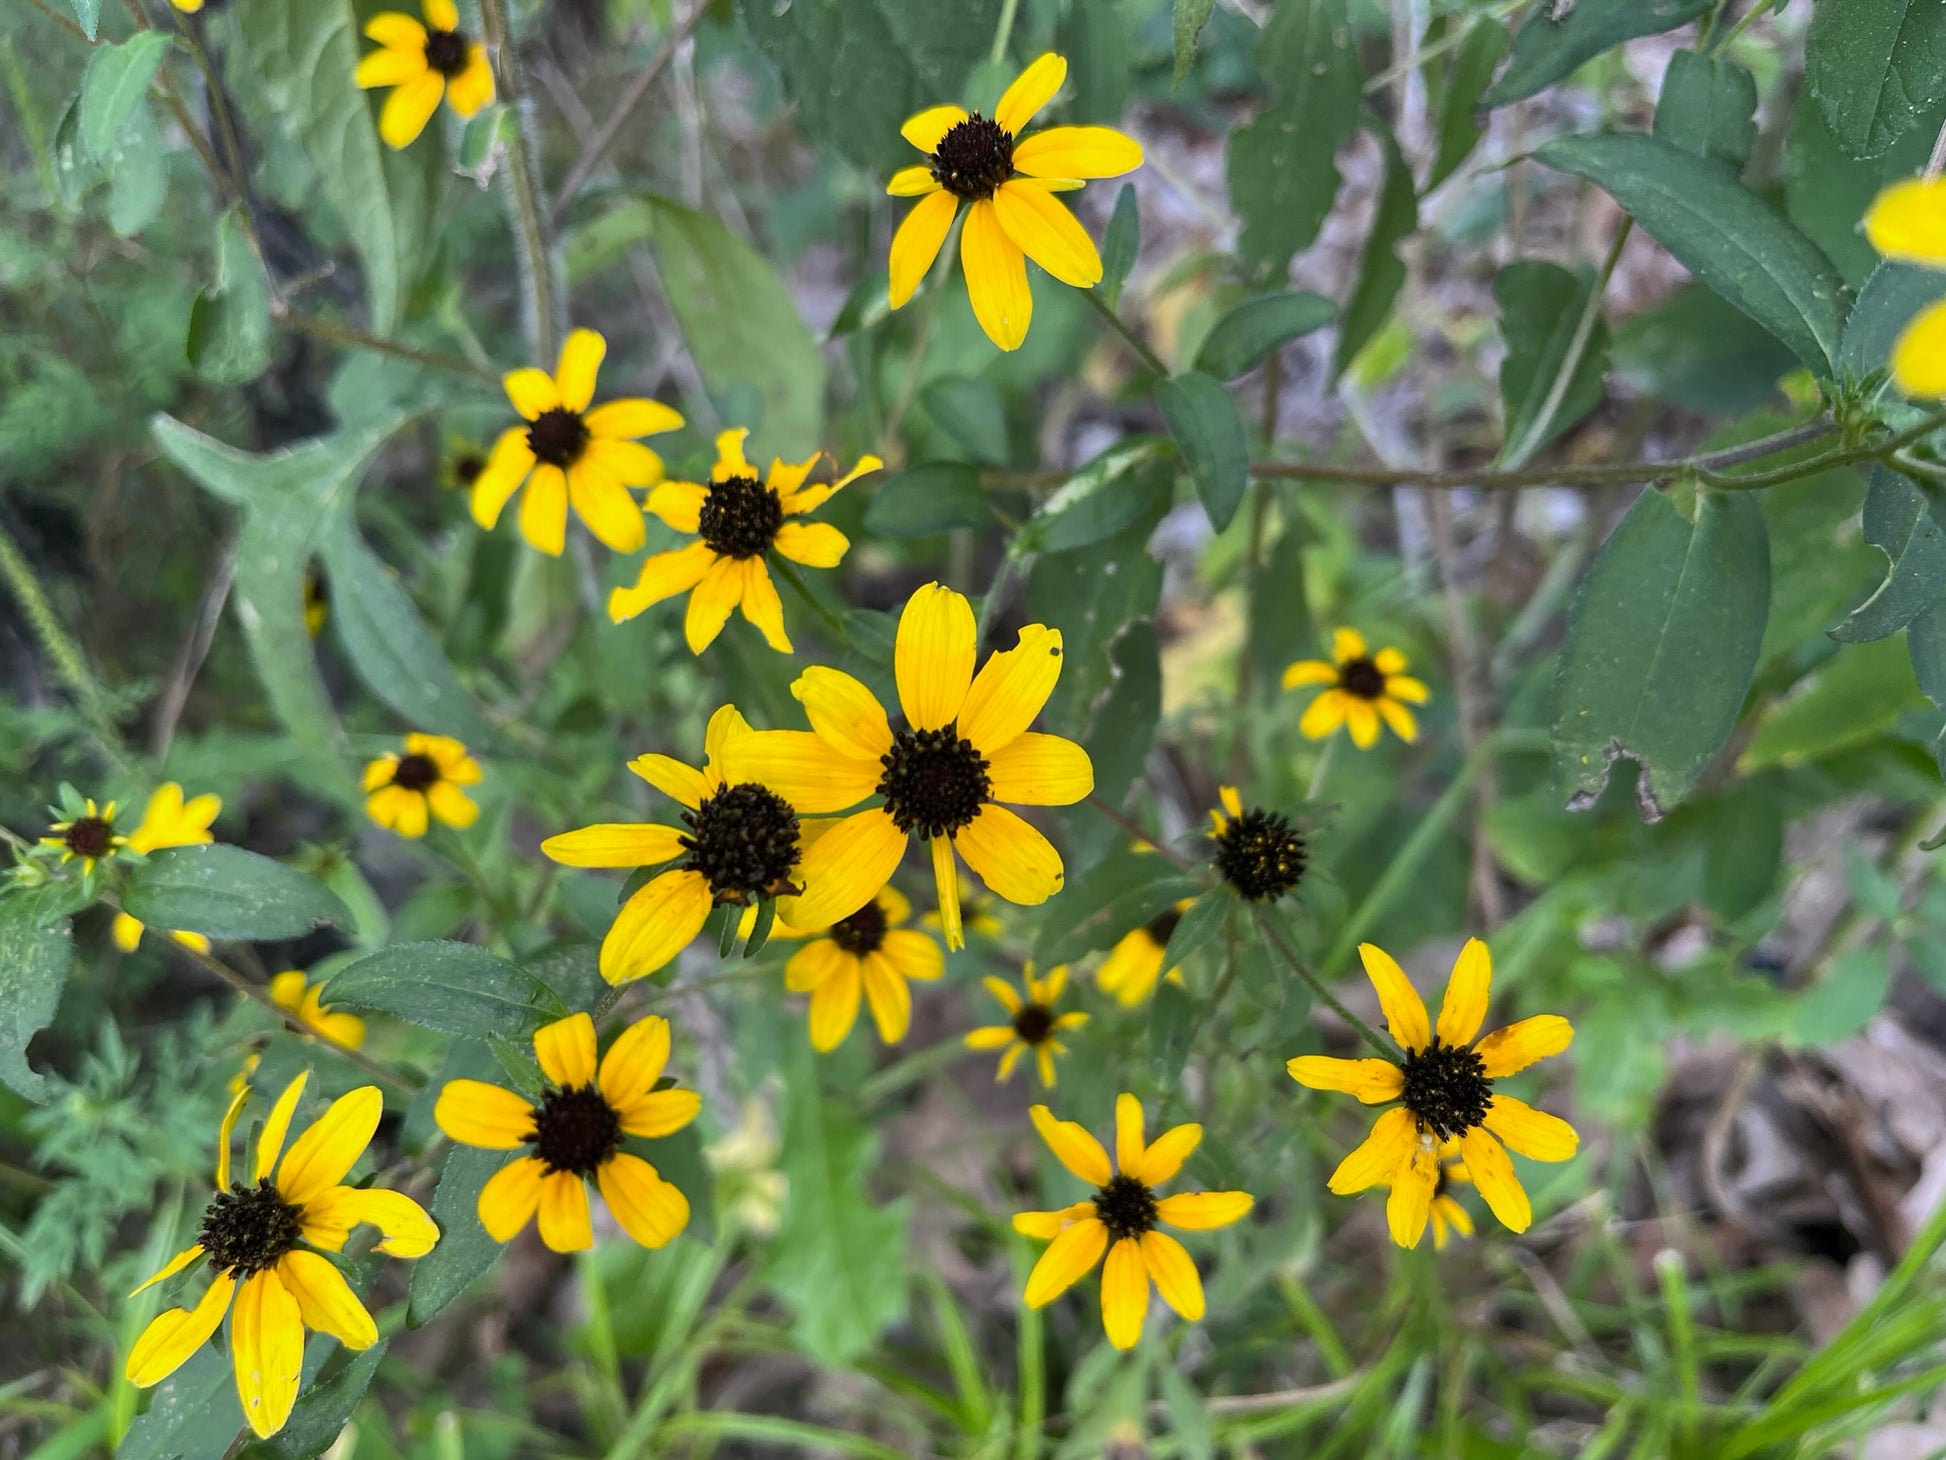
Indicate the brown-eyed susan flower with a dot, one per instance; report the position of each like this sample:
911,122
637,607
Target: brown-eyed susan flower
1121,1220
568,453
304,1002
870,953
573,1135
265,1244
1444,1087
1032,1023
402,792
1907,222
738,520
461,463
1364,689
1133,967
168,821
742,845
964,750
1448,1216
1009,183
1258,852
87,836
422,63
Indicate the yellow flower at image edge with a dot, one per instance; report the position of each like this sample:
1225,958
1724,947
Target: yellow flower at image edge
1907,222
1009,183
965,749
422,63
1364,689
737,519
1121,1221
1445,1090
404,792
303,1000
1032,1024
278,1288
567,453
870,954
168,821
574,1135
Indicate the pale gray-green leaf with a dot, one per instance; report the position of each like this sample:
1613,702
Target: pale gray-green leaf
1187,23
1381,272
36,949
117,79
229,324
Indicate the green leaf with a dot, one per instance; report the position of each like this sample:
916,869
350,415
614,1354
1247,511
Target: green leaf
1886,305
1124,723
1457,94
1723,233
138,175
1540,308
1874,67
1855,986
1898,522
1381,273
1118,488
928,499
227,893
1190,1424
1208,431
1926,642
1745,850
1172,1019
1091,597
1856,695
323,1410
36,950
972,414
88,13
1826,191
1280,612
1189,19
115,84
1119,245
1708,106
1107,901
229,324
1557,40
1201,924
452,987
1094,36
1282,167
1661,645
1244,337
465,1251
192,1412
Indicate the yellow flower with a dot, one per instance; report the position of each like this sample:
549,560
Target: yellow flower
870,952
977,914
423,63
404,791
1448,1216
1120,1220
251,1236
1031,1023
1258,852
90,837
742,846
292,992
1010,185
317,600
737,519
964,750
168,821
1445,1090
588,457
1365,687
575,1134
1130,972
1907,222
461,463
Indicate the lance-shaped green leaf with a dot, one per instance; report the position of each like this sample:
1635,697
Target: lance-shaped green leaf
452,987
226,892
36,949
1381,272
1187,22
1106,901
1898,523
1858,693
1120,242
1118,488
116,81
928,499
1209,434
1245,337
465,1250
1875,67
1558,39
1708,106
1541,305
1455,92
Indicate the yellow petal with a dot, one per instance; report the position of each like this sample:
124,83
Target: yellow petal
715,596
834,1000
506,468
387,67
1403,724
238,1097
440,14
397,32
270,1141
845,868
1039,770
406,1229
913,953
945,876
574,375
565,1050
1919,355
169,1269
917,244
605,507
1389,661
1510,1050
175,1334
912,182
451,805
762,607
1011,688
1166,1153
629,462
1493,1174
1013,859
544,510
472,89
1372,1081
1410,1200
1074,1250
1405,1011
1047,1225
844,713
725,725
814,544
1464,1009
1405,687
1309,671
1382,1154
1042,228
615,845
267,1347
1169,1264
654,925
1347,645
649,1209
661,1113
927,128
1072,1146
322,1156
510,1197
127,933
634,1062
1324,715
1908,221
680,783
1124,1293
1534,1133
475,1113
1129,1141
1362,720
564,1219
1130,971
630,417
531,391
1202,1211
889,997
664,575
806,770
1004,993
933,656
1069,152
1033,89
996,276
287,989
405,114
325,1300
990,1036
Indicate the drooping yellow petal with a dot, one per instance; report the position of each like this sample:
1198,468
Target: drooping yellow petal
451,805
933,656
574,375
510,1197
564,1218
323,1155
844,713
1309,671
612,844
472,89
407,110
565,1050
805,769
762,607
996,276
945,876
270,1141
1510,1050
834,999
1068,1258
711,602
1403,723
1166,1153
267,1348
1907,221
1013,859
1175,1275
926,129
1324,715
1033,89
814,544
1373,1081
325,1300
169,1269
475,1113
175,1334
1203,1211
544,510
634,1062
1410,1200
1124,1293
507,467
649,1209
1073,1146
1534,1133
655,924
1381,1156
1919,354
913,953
844,869
631,417
1069,152
1405,1011
605,507
664,575
405,1227
888,996
1493,1174
661,1113
1042,228
1039,770
1131,970
1464,1009
912,182
238,1098
917,244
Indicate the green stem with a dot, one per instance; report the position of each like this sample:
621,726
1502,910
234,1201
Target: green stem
1114,321
356,339
1003,32
524,191
1385,1047
68,659
1518,454
787,570
1323,771
1162,849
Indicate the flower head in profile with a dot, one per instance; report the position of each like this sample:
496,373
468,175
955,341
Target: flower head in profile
573,1135
1259,853
168,821
422,63
1364,688
870,953
1907,222
1133,967
403,792
568,453
1008,182
742,845
304,1002
1033,1024
1444,1086
88,836
265,1244
738,520
964,749
1121,1220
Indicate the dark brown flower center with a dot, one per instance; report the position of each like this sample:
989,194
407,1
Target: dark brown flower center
974,158
1446,1088
447,52
558,437
740,518
1126,1208
468,465
861,933
416,773
1362,678
90,836
743,839
1162,927
248,1229
1261,855
935,782
1034,1024
575,1129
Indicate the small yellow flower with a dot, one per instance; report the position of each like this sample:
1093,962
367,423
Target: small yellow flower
964,749
168,821
574,1135
404,792
569,453
1133,967
1365,688
1445,1088
870,953
738,520
1009,182
1120,1220
251,1236
1907,222
742,846
295,994
317,600
423,63
1448,1216
90,837
1258,852
1032,1023
461,463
